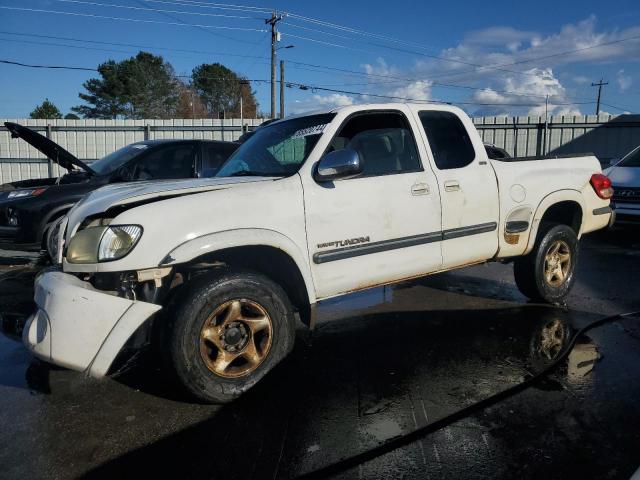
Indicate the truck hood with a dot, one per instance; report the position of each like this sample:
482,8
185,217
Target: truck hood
624,176
48,147
109,196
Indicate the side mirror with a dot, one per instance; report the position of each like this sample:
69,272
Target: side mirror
337,165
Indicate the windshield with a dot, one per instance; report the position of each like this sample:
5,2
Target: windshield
277,150
632,159
115,160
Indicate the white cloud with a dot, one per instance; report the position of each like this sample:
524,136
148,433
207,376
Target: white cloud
624,81
527,92
498,36
519,80
418,90
515,49
319,102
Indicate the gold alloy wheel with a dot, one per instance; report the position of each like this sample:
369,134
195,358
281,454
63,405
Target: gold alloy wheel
236,338
557,263
552,339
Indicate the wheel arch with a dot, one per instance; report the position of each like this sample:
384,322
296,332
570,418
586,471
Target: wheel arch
265,251
563,206
52,215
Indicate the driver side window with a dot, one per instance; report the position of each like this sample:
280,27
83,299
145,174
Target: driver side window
176,161
384,141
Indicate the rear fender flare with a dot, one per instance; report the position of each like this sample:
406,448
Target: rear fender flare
548,201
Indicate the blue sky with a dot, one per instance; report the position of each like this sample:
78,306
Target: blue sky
483,56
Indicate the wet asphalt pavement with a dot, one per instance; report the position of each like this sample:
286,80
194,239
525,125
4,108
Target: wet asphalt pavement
380,364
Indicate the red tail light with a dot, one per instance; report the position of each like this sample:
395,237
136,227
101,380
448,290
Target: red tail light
602,185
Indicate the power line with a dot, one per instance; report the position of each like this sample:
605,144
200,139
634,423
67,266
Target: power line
182,12
133,45
136,20
481,67
616,107
355,31
205,30
395,97
416,79
323,42
291,84
404,50
398,80
219,6
57,67
399,41
66,67
314,88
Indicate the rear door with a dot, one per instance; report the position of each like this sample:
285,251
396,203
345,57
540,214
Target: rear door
467,184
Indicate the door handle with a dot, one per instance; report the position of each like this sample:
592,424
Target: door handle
420,189
451,186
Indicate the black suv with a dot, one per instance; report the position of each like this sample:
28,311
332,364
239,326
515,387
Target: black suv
30,208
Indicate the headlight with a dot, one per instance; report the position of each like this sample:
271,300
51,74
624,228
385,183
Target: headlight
117,241
103,244
26,193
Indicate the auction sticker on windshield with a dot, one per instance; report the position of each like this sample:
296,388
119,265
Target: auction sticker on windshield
305,132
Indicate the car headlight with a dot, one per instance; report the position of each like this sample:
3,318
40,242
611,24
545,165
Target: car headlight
117,241
26,193
103,244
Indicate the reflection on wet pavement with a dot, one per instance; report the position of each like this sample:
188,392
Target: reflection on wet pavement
382,363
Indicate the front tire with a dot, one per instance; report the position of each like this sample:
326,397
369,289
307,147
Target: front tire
547,273
226,332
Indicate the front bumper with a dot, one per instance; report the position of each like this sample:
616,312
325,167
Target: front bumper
9,240
79,327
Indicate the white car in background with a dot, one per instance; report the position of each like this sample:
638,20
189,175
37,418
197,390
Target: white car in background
625,178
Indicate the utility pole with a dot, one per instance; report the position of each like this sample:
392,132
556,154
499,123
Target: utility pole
546,124
275,37
600,84
281,88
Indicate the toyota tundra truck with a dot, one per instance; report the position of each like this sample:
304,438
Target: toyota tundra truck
216,271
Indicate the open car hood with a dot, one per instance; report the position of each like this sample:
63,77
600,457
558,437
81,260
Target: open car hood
48,147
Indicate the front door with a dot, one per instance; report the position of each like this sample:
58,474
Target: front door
382,225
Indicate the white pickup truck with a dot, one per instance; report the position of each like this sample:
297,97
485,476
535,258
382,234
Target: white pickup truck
310,207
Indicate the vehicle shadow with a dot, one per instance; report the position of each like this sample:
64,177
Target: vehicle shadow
349,386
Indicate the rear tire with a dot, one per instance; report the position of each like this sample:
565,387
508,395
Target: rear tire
225,332
547,273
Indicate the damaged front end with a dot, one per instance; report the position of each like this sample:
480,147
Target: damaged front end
82,322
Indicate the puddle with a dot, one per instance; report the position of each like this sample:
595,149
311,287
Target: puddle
382,429
581,361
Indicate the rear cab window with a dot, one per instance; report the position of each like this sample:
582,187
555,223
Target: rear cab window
448,139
